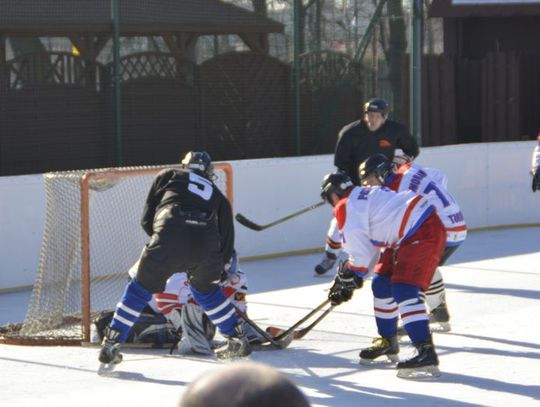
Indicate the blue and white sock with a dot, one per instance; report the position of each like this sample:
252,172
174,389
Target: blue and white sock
218,308
385,307
413,312
128,310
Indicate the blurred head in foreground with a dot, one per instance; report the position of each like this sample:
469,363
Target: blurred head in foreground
243,384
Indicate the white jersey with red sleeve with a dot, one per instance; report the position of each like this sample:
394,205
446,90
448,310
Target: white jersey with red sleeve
436,175
370,218
178,292
421,181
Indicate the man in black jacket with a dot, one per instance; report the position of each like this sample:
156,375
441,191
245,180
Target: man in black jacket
357,141
373,134
190,225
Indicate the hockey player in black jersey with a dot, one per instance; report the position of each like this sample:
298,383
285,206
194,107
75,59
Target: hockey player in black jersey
190,225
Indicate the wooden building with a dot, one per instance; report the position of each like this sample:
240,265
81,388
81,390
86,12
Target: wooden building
57,109
488,78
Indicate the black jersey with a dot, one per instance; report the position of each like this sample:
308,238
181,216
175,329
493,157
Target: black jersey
192,193
356,143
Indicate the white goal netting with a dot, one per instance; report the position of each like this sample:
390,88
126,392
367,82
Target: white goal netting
95,225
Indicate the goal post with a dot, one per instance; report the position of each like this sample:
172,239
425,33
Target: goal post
92,237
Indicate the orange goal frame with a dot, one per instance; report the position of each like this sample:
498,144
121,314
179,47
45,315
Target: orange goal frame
85,226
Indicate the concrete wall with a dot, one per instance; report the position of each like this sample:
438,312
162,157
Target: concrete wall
490,181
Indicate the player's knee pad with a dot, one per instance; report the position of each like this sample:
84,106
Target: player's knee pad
381,286
404,292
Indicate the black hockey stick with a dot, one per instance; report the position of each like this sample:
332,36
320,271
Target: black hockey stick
304,331
252,225
300,333
282,333
280,343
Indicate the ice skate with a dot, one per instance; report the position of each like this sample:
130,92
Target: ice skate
423,365
439,319
326,263
388,347
253,337
237,345
109,355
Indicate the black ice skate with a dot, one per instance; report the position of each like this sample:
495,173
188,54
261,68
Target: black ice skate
439,318
388,347
326,263
423,365
109,355
237,345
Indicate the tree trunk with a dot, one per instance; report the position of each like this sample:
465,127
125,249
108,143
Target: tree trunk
317,26
260,7
397,45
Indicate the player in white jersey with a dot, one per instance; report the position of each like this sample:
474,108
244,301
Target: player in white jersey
332,247
406,224
379,170
535,166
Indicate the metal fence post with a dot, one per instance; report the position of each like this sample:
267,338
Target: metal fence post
115,16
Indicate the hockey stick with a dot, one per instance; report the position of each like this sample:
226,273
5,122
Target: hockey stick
281,333
300,333
304,331
254,226
280,343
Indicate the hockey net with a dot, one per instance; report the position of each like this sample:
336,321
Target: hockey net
92,237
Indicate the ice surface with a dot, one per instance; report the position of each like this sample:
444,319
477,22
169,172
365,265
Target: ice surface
490,358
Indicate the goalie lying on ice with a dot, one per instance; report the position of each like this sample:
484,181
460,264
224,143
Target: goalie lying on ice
173,317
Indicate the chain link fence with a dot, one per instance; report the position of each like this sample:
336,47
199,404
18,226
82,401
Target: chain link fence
231,91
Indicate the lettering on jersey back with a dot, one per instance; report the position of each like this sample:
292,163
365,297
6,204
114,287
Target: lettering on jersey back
457,217
363,194
416,180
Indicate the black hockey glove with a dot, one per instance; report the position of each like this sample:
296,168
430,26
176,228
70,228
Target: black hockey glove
536,180
345,282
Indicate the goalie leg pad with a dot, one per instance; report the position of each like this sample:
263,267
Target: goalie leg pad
197,331
218,308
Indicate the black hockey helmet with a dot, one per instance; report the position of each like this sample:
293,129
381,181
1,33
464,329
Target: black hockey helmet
199,162
337,182
377,105
379,165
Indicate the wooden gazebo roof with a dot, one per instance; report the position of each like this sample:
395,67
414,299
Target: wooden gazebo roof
137,17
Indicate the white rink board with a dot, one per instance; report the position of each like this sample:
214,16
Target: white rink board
489,180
